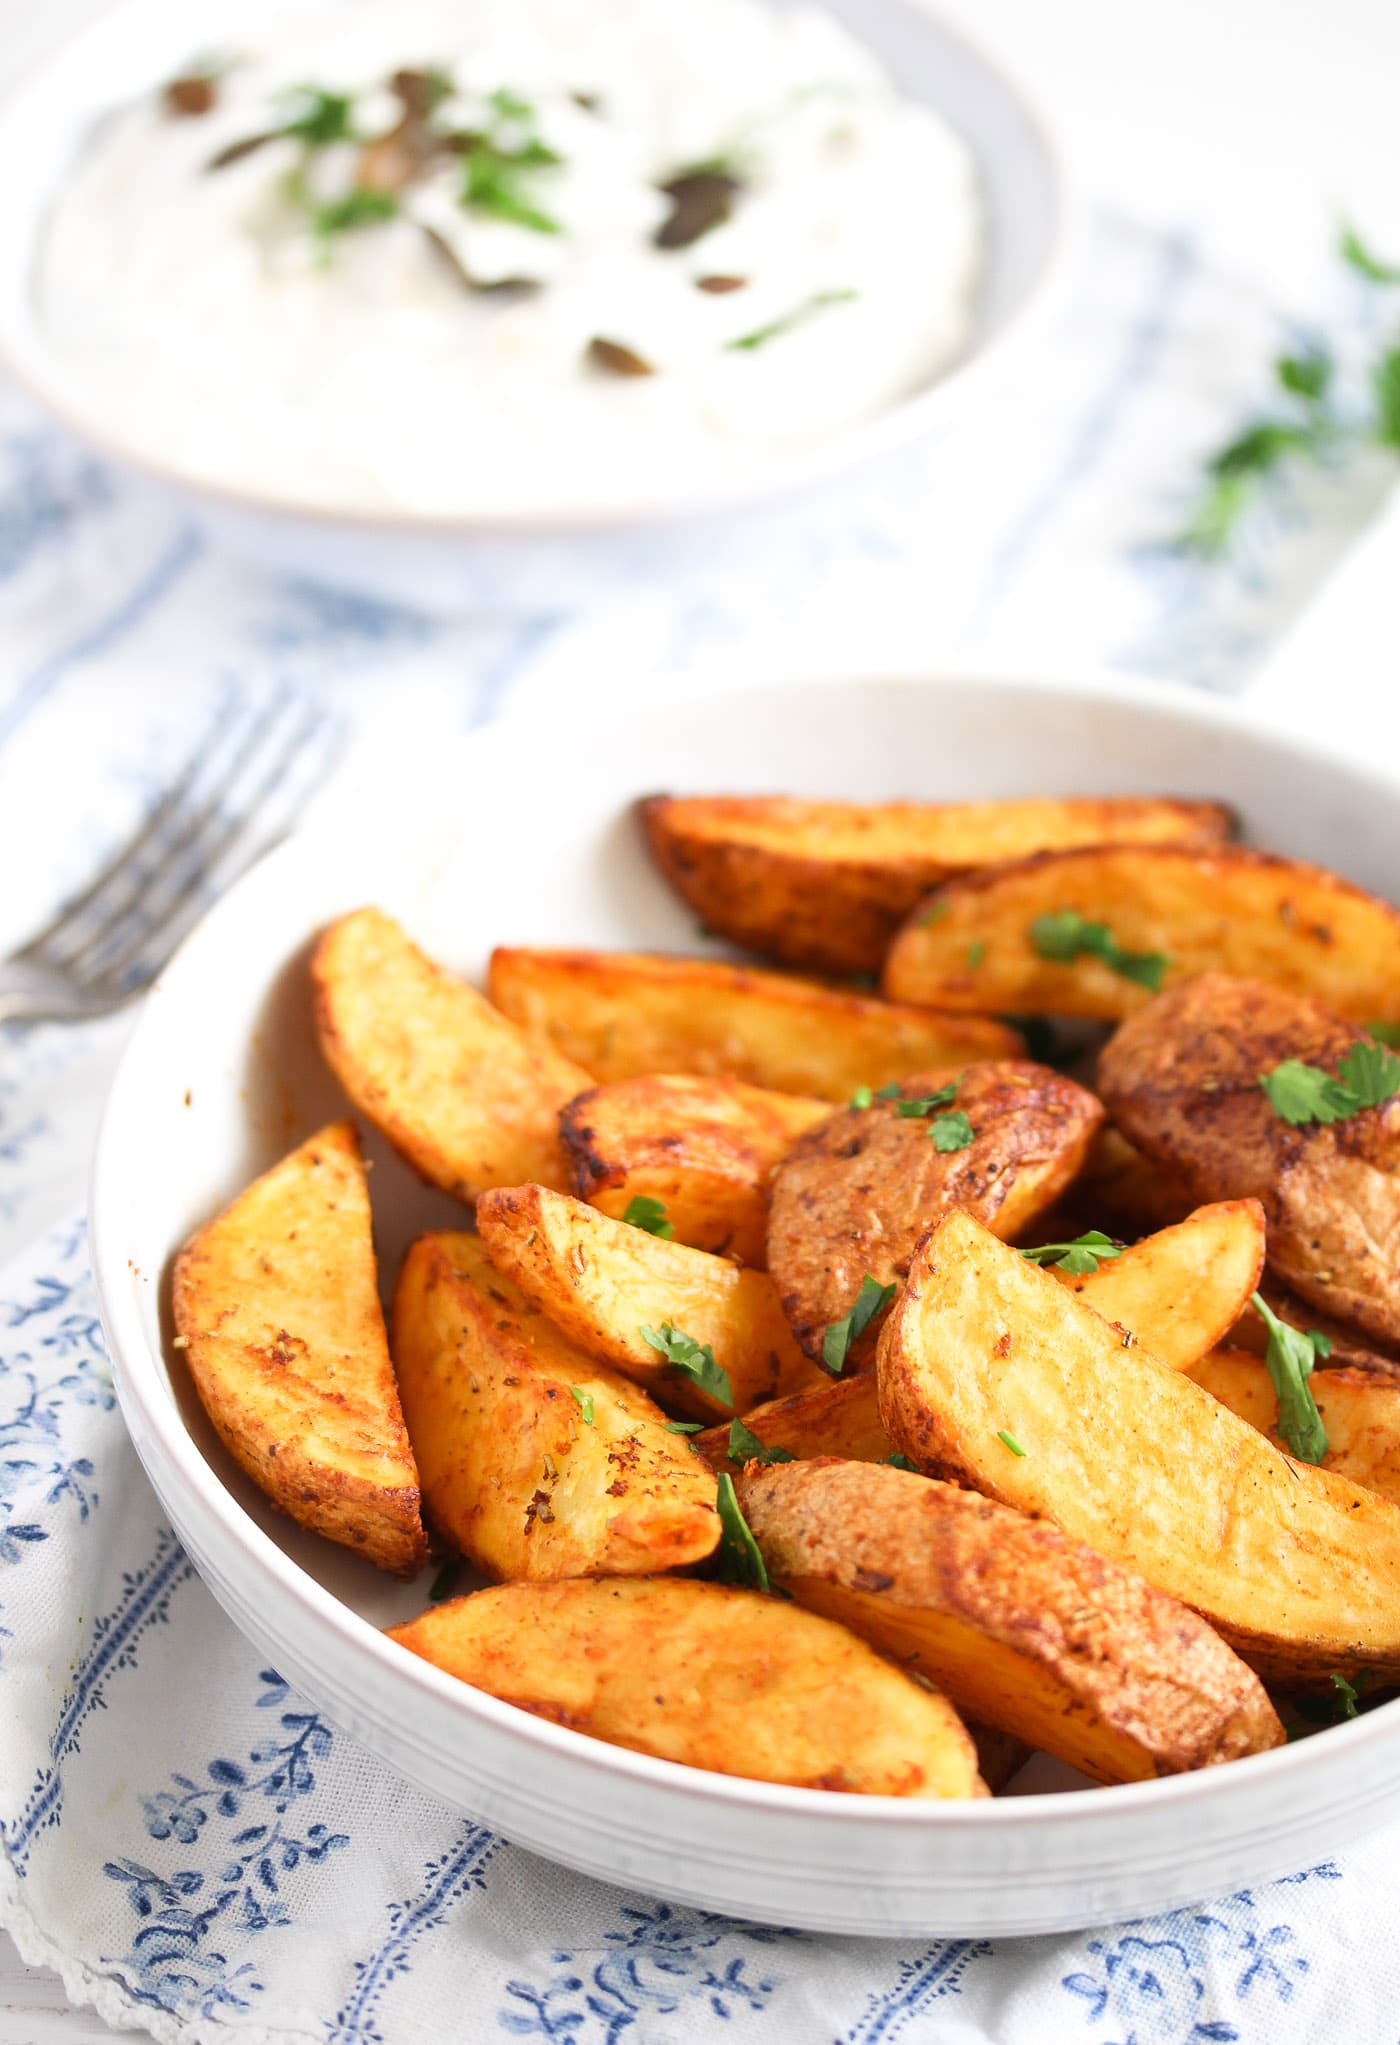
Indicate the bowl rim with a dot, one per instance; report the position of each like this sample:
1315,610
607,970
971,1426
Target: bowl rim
147,1403
911,418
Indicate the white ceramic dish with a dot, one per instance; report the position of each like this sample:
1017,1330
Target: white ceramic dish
528,838
555,555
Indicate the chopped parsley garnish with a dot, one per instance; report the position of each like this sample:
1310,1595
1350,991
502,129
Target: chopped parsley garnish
1064,936
1080,1257
745,1447
1009,1441
1354,251
491,184
1366,1077
1343,1704
318,118
872,1299
685,1427
818,302
976,952
925,1104
1385,1033
362,207
739,1558
509,105
889,1091
585,1404
1348,1692
951,1132
862,1097
899,1461
1289,1359
445,1582
692,1359
645,1213
934,913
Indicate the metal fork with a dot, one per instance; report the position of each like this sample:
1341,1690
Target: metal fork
107,944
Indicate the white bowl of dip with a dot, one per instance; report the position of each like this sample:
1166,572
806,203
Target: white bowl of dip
353,404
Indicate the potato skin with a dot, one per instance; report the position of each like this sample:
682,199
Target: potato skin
838,1417
601,1282
854,1195
514,1476
276,1304
1020,1626
827,884
1182,1080
1180,1291
705,1148
708,1675
1360,1410
1134,1459
622,1014
1210,909
456,1088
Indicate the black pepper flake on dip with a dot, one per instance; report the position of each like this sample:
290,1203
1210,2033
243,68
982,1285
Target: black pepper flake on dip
701,199
187,98
617,359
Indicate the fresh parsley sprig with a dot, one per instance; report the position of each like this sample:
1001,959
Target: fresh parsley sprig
924,1104
740,1558
1064,935
648,1214
364,206
1367,1077
1081,1257
1289,1360
585,1403
745,1447
951,1132
691,1359
872,1299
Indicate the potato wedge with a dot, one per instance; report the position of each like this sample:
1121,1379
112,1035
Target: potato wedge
455,1087
705,1148
1182,1080
625,1013
1204,909
827,884
853,1195
1019,1625
992,1374
1360,1411
705,1674
1179,1292
601,1282
536,1461
839,1417
276,1308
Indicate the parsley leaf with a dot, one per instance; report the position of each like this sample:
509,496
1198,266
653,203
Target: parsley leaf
319,118
862,1097
365,206
745,1447
888,1092
934,913
645,1213
925,1104
694,1360
1367,1077
1354,251
1289,1361
685,1427
976,952
585,1404
899,1461
491,185
739,1558
445,1582
1063,936
872,1299
1385,1033
1009,1441
1308,375
1332,1710
799,316
1348,1692
1080,1257
951,1132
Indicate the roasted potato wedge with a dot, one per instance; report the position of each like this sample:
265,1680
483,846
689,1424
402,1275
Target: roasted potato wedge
625,1013
1359,1409
276,1308
702,1673
827,884
839,1417
1201,909
456,1088
995,1376
1019,1625
601,1283
536,1460
1182,1080
705,1148
853,1195
1180,1291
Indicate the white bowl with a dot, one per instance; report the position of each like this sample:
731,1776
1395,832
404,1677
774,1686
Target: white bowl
529,838
556,554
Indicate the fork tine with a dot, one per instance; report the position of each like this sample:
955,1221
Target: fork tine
151,938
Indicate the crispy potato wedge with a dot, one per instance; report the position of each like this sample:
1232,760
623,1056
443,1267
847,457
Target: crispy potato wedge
827,884
536,1460
1182,1079
625,1013
705,1674
1019,1625
276,1308
456,1088
839,1417
1206,909
854,1195
705,1148
992,1374
1180,1291
601,1282
1360,1410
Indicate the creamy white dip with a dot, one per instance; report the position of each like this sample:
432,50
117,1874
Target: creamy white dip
263,325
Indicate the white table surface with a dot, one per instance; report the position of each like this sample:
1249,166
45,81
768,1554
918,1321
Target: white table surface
1266,119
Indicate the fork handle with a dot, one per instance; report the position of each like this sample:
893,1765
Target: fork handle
29,994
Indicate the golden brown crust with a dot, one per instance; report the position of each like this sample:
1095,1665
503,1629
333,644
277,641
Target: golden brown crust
839,1417
1182,1079
1360,1412
1020,1626
276,1308
854,1195
1181,1290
